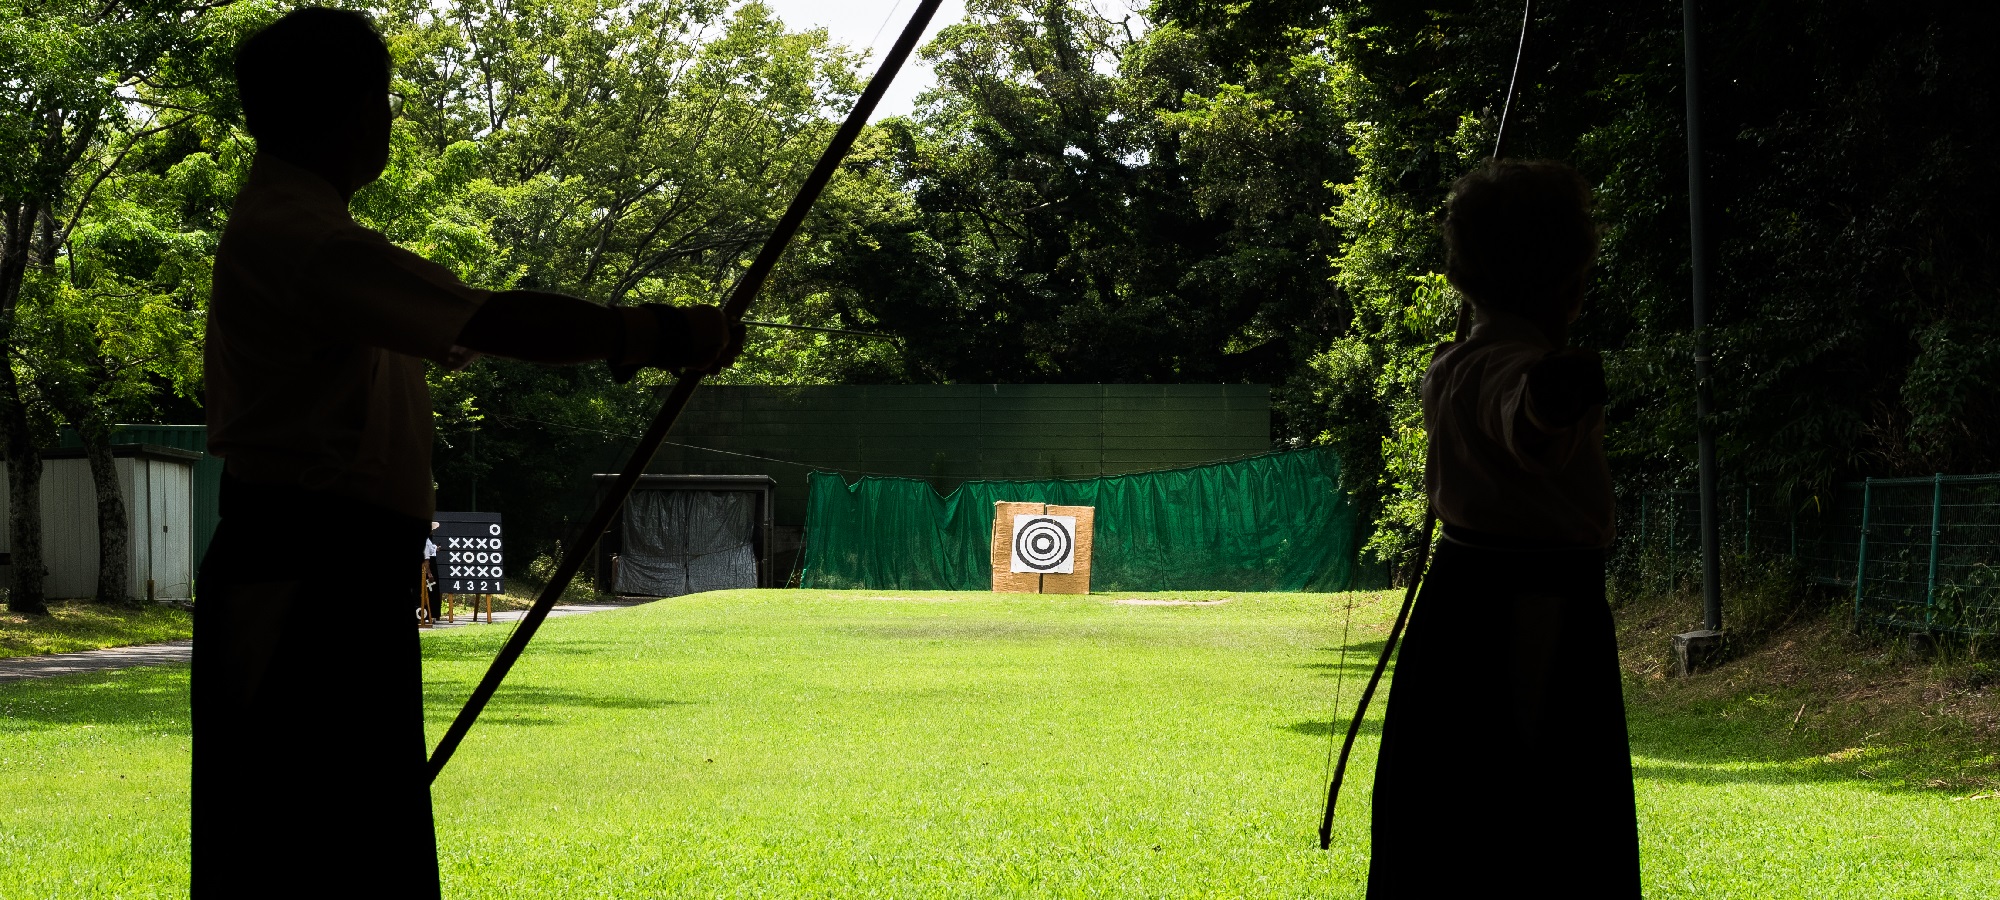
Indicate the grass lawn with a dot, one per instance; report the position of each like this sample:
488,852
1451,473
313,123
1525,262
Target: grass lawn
775,744
82,625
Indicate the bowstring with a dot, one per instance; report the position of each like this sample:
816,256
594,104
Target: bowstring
1339,685
1514,80
1462,331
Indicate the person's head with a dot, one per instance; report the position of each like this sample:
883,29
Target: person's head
315,92
1520,239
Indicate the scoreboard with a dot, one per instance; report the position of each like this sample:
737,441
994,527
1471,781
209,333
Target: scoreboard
469,552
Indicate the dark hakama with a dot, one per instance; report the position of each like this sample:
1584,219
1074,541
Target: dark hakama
1504,767
309,777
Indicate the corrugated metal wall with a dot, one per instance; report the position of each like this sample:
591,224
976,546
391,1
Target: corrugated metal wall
69,525
951,433
156,502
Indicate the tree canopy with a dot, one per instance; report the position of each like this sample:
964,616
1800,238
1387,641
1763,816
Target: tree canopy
1196,192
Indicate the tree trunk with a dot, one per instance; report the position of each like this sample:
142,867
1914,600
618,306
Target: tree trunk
24,514
114,529
24,460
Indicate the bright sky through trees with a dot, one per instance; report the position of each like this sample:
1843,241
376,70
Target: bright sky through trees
874,24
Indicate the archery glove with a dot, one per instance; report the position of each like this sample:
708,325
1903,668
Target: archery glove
1564,387
691,340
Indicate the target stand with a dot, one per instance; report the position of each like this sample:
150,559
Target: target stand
1041,549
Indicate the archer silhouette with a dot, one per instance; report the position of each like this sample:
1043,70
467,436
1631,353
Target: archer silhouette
1504,766
307,707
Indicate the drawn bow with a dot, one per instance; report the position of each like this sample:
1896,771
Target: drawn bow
739,303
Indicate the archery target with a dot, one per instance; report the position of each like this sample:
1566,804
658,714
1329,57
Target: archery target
1044,544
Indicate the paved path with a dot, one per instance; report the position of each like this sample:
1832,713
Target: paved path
509,616
24,667
21,667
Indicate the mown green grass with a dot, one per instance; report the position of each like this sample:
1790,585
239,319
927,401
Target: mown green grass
777,744
858,745
81,625
1817,764
94,785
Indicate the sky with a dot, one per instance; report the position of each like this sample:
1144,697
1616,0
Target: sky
873,24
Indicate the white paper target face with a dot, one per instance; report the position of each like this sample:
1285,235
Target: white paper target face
1044,544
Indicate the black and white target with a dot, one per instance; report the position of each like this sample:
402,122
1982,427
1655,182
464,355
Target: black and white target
1044,544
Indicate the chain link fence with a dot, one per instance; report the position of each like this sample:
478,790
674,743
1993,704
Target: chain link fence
1918,554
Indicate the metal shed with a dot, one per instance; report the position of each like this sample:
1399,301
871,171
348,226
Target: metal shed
206,490
156,482
683,534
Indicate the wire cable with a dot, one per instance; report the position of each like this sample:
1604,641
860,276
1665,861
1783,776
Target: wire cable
1513,81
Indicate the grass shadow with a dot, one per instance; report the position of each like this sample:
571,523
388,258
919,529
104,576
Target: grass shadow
1704,744
1356,668
482,648
77,625
517,705
1370,649
1314,728
152,697
1812,704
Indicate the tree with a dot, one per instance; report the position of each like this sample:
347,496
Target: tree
1853,325
76,78
114,323
1098,200
623,152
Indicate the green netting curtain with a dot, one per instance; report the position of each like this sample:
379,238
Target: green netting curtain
1278,522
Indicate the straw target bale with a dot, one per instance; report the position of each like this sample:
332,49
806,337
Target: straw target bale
1005,580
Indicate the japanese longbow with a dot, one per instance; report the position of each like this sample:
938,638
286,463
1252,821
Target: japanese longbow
1430,516
739,302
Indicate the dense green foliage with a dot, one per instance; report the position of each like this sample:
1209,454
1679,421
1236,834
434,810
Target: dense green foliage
1087,205
621,152
813,744
1853,298
1201,191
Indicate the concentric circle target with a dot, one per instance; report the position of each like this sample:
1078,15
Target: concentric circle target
1042,544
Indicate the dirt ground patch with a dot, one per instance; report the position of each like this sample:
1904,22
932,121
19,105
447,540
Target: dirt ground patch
1154,601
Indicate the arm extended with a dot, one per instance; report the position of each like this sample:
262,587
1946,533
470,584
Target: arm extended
541,327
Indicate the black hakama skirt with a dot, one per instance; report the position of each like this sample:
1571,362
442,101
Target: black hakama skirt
1504,767
309,772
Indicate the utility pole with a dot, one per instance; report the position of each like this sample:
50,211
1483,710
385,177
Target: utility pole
1694,649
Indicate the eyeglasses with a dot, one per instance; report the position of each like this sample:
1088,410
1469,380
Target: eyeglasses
395,104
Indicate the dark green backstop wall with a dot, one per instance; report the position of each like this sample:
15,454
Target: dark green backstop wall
947,434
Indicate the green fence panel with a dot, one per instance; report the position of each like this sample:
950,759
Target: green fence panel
1921,554
1967,593
951,433
1278,522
